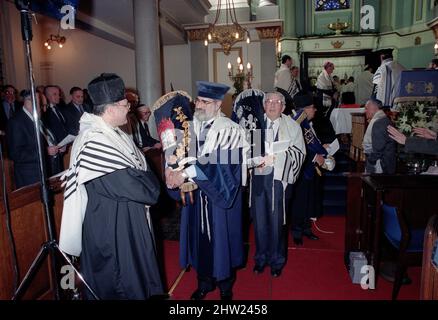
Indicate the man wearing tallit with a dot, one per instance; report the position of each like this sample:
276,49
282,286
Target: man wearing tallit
108,191
387,79
211,222
272,182
327,99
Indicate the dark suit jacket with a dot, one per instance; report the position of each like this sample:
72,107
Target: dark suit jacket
3,118
384,148
147,140
72,116
22,149
421,145
54,124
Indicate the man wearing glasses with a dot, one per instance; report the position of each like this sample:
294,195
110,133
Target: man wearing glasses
142,136
211,227
271,184
108,191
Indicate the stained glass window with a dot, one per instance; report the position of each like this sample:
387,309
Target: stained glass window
326,5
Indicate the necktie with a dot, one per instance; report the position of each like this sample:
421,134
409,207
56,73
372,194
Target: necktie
270,132
146,128
58,115
81,109
11,110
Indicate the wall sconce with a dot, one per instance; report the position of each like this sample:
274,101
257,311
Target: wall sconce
60,40
240,77
436,49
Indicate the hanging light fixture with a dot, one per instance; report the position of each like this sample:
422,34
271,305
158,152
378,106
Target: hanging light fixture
55,39
230,33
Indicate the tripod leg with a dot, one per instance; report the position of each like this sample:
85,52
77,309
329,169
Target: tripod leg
54,270
81,278
33,270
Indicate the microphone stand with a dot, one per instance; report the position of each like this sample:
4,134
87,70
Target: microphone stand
50,246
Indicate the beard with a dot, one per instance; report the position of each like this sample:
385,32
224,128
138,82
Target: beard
201,115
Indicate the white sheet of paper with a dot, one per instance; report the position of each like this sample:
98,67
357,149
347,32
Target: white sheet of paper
69,139
276,147
333,147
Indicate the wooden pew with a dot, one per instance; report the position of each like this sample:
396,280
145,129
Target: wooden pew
29,233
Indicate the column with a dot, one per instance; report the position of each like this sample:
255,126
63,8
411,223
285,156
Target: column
386,15
269,64
147,53
288,14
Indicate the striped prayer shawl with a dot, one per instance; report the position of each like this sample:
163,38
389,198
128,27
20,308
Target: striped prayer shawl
98,150
288,164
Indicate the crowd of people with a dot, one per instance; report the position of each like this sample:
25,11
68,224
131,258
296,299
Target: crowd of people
59,119
109,186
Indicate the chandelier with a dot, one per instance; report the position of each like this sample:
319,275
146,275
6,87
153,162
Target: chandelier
230,33
57,39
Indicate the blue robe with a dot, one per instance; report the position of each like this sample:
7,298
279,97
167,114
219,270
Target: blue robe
211,228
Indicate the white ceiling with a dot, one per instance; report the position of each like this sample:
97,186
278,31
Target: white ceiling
119,15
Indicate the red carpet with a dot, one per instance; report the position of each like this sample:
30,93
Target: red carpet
314,271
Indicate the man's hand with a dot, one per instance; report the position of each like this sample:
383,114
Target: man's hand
53,150
396,135
319,159
157,145
326,146
425,133
63,149
174,179
267,161
146,149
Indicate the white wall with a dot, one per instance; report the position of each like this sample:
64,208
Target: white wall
83,57
177,68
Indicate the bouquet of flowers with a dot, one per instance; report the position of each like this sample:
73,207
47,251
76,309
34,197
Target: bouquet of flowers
416,115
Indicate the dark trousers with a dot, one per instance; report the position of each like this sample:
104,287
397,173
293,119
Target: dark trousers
207,284
269,228
306,203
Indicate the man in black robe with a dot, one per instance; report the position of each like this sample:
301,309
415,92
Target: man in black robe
108,191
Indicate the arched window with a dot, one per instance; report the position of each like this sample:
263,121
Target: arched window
326,5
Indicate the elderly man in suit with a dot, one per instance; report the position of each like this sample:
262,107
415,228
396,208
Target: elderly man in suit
379,148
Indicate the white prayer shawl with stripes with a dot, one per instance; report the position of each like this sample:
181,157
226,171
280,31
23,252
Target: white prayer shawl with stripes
225,134
287,164
98,150
387,81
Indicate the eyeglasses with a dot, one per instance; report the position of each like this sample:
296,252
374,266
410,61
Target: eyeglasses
274,101
127,105
202,101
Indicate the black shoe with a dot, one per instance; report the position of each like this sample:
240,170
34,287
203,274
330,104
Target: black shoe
298,241
258,269
310,235
276,273
226,295
198,295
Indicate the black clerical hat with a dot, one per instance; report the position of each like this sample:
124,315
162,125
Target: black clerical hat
106,88
302,101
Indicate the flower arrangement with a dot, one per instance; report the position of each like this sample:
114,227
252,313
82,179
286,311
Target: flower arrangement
417,115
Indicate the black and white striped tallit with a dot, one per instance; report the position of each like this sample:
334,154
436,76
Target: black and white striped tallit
98,150
287,164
